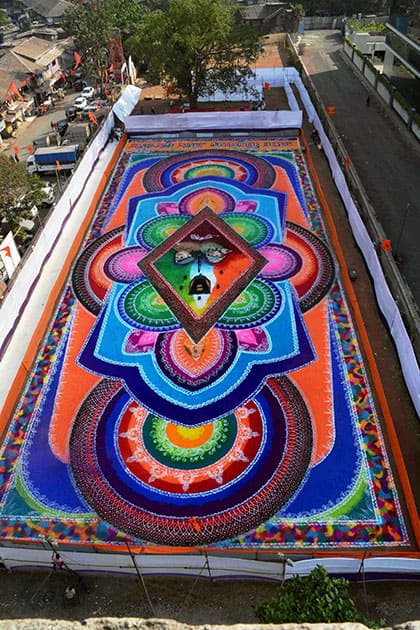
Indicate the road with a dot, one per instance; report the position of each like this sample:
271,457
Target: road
385,154
38,128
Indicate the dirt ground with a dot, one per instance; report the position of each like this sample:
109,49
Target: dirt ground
32,594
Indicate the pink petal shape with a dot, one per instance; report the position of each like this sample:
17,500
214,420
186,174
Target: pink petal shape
245,206
141,341
167,207
253,339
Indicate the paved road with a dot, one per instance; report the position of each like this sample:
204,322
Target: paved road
37,128
385,155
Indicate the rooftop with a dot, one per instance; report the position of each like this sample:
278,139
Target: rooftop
47,8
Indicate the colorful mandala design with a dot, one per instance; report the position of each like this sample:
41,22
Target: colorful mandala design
155,488
243,167
201,382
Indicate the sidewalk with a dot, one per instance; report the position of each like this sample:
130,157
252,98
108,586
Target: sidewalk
384,153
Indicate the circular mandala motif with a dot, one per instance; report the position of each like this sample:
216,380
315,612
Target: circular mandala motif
188,447
255,230
177,356
283,262
315,277
206,170
142,307
244,167
123,265
157,230
89,280
254,306
145,492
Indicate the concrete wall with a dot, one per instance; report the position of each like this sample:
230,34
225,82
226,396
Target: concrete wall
358,61
401,111
367,43
383,92
370,75
415,129
314,22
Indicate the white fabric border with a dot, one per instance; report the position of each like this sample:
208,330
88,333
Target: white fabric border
211,121
23,305
207,566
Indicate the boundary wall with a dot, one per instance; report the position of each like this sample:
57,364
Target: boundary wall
202,563
384,88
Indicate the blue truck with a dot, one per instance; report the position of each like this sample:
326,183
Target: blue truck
51,159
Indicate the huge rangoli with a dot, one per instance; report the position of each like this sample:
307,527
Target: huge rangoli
201,383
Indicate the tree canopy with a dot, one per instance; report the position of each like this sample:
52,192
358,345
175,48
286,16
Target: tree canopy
3,18
196,46
19,193
93,26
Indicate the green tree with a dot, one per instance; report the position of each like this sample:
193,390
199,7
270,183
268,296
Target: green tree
19,193
92,25
316,598
3,18
197,46
126,15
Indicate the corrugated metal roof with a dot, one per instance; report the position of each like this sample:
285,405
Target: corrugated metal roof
34,48
48,8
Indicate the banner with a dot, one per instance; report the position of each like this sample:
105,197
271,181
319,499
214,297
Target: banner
132,72
116,55
9,254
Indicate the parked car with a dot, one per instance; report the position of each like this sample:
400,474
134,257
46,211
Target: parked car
49,193
88,92
80,102
91,107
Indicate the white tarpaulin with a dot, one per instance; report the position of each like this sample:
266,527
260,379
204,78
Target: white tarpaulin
214,121
127,101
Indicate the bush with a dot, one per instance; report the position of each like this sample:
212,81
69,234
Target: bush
316,598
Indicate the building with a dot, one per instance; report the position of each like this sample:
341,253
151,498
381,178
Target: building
34,65
42,58
49,11
402,61
271,17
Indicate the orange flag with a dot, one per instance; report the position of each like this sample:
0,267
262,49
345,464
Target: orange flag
330,110
12,88
386,245
92,118
58,165
30,148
